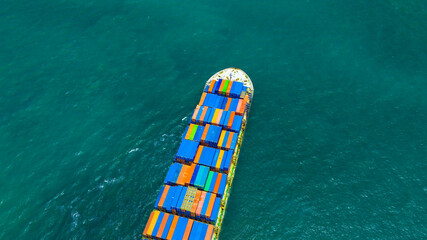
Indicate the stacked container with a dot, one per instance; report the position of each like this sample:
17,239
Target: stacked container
197,176
185,201
162,225
215,159
191,203
187,151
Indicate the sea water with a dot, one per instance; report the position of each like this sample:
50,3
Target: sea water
95,96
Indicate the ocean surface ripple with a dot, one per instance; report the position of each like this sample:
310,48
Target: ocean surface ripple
95,96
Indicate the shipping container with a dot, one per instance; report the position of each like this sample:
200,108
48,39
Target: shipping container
205,206
212,136
145,233
236,124
195,231
202,175
226,164
157,225
168,201
218,85
188,230
209,232
163,197
200,205
152,223
236,90
215,209
187,151
173,227
204,232
156,204
167,226
180,228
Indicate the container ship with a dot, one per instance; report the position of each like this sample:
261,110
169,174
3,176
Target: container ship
192,202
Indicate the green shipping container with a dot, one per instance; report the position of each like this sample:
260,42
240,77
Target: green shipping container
208,182
193,131
224,88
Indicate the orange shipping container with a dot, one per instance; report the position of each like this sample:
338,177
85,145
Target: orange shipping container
193,118
195,203
210,206
245,101
246,98
205,109
205,132
230,138
241,107
173,226
162,225
148,224
163,197
188,229
209,232
202,99
199,152
217,183
153,222
211,86
227,106
189,174
181,176
230,120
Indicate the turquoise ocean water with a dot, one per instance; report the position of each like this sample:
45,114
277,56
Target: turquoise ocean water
95,96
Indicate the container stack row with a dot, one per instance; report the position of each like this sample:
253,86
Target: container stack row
162,225
214,101
197,176
215,159
189,202
218,117
227,87
212,136
193,132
